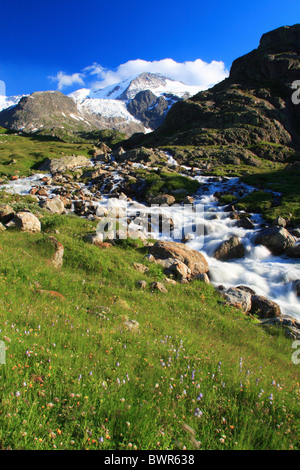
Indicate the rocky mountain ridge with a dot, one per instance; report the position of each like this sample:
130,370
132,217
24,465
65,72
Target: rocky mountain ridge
139,104
248,116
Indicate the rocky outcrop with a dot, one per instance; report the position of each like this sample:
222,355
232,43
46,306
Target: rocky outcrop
251,111
291,326
150,109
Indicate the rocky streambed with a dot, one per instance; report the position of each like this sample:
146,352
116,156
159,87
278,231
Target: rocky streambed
256,266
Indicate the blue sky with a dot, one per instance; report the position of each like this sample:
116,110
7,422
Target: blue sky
41,39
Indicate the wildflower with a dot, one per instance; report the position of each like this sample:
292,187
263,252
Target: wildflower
271,399
198,413
200,396
17,394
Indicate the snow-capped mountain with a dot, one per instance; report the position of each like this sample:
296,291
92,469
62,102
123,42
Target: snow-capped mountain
158,84
137,104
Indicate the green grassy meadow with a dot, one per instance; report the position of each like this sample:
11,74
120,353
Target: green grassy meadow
194,374
197,374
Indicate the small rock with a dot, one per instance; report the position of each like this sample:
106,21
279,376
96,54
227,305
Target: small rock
246,223
150,258
94,238
142,284
140,267
57,258
279,221
159,286
195,261
101,211
203,277
170,281
131,325
163,199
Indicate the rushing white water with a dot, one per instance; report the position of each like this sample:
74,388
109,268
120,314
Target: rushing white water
268,275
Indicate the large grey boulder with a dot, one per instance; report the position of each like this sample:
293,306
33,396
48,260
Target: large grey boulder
59,165
293,251
54,205
27,222
276,239
264,307
230,249
194,260
238,298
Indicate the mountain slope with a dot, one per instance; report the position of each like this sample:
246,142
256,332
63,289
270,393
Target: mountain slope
250,113
136,105
46,113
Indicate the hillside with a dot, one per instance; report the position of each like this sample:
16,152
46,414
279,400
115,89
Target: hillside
49,113
94,362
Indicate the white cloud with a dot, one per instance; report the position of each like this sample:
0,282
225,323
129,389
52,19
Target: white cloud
64,80
198,73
